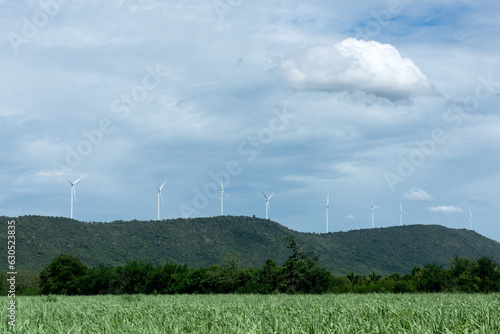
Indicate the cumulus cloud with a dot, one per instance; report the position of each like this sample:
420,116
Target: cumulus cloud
356,65
479,202
447,210
417,195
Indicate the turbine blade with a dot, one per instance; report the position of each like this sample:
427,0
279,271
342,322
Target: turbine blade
271,195
227,194
70,182
78,179
221,185
163,184
264,196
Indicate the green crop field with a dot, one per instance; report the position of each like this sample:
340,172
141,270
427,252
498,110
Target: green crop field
374,313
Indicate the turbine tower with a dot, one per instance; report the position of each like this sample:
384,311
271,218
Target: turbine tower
373,212
327,205
471,218
159,195
73,193
222,193
268,207
401,211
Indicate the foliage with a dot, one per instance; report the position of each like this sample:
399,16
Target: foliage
27,283
302,274
204,242
299,274
63,275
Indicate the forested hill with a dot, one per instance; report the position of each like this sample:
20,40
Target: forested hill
206,241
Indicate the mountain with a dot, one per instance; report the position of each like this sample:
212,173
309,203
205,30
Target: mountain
202,242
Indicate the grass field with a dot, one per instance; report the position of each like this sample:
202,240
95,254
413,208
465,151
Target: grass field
377,313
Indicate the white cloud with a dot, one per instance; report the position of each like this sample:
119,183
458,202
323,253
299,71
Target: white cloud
351,217
417,195
479,202
447,210
356,65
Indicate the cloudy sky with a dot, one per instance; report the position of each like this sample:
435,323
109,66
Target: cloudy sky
393,100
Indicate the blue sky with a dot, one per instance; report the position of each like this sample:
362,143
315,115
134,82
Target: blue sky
394,100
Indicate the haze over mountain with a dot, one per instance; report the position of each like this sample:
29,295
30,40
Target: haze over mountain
206,241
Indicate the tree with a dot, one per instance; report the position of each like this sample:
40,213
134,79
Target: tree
462,274
63,275
98,280
269,277
488,275
132,278
433,278
302,273
374,278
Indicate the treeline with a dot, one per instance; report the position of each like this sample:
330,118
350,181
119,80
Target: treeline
300,273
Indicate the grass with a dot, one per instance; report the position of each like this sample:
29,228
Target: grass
376,313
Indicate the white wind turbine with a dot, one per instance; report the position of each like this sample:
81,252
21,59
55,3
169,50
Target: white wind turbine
327,205
268,207
471,218
73,193
222,193
159,195
401,211
373,212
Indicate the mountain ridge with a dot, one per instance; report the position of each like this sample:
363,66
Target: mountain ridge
201,242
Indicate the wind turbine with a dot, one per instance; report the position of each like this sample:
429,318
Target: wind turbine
401,211
471,218
222,193
373,212
327,205
73,193
159,195
268,207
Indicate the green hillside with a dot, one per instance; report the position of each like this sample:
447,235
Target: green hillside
206,241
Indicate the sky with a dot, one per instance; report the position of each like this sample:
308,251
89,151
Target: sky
392,101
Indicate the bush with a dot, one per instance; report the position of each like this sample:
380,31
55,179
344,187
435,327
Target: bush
63,276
